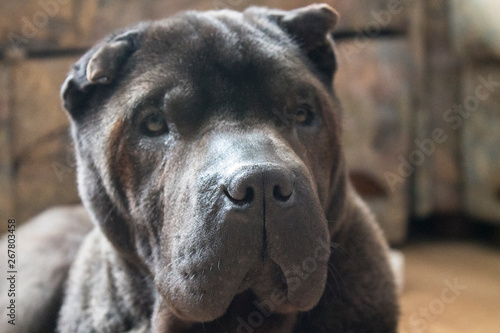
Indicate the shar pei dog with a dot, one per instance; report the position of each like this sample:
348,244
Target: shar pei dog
209,159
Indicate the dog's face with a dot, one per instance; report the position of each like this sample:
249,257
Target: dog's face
208,151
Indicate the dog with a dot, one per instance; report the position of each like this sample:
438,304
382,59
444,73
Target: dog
209,159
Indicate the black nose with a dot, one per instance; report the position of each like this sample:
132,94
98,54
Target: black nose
272,182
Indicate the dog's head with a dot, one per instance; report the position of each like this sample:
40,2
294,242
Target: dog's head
208,153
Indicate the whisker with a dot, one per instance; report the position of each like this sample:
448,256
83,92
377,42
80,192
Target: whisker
336,273
164,268
339,249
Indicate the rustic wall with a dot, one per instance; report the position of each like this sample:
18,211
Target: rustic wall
481,141
476,35
71,24
41,147
436,157
476,29
374,86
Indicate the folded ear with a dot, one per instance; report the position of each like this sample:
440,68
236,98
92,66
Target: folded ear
99,66
310,27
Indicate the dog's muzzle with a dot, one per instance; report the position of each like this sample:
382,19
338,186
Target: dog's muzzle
257,226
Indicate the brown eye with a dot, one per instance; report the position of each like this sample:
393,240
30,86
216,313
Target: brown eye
304,115
154,125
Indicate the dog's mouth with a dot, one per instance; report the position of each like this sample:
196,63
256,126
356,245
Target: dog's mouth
219,262
269,286
206,297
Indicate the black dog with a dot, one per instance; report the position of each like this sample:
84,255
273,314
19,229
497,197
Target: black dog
209,159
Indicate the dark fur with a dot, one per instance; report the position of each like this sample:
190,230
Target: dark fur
197,226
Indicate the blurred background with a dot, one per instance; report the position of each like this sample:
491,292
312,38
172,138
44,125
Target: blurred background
420,84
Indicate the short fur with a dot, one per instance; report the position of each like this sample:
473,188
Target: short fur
240,216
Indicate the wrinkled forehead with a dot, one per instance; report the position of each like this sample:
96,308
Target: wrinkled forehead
223,59
221,38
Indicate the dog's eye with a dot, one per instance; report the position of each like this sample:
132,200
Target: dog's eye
154,125
304,115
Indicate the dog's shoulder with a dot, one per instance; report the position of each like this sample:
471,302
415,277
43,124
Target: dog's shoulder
47,246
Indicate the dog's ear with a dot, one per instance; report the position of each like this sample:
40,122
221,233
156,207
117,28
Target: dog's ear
311,28
99,66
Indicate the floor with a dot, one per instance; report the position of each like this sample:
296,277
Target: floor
451,287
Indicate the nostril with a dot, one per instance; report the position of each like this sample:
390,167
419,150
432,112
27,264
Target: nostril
246,198
281,195
257,183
